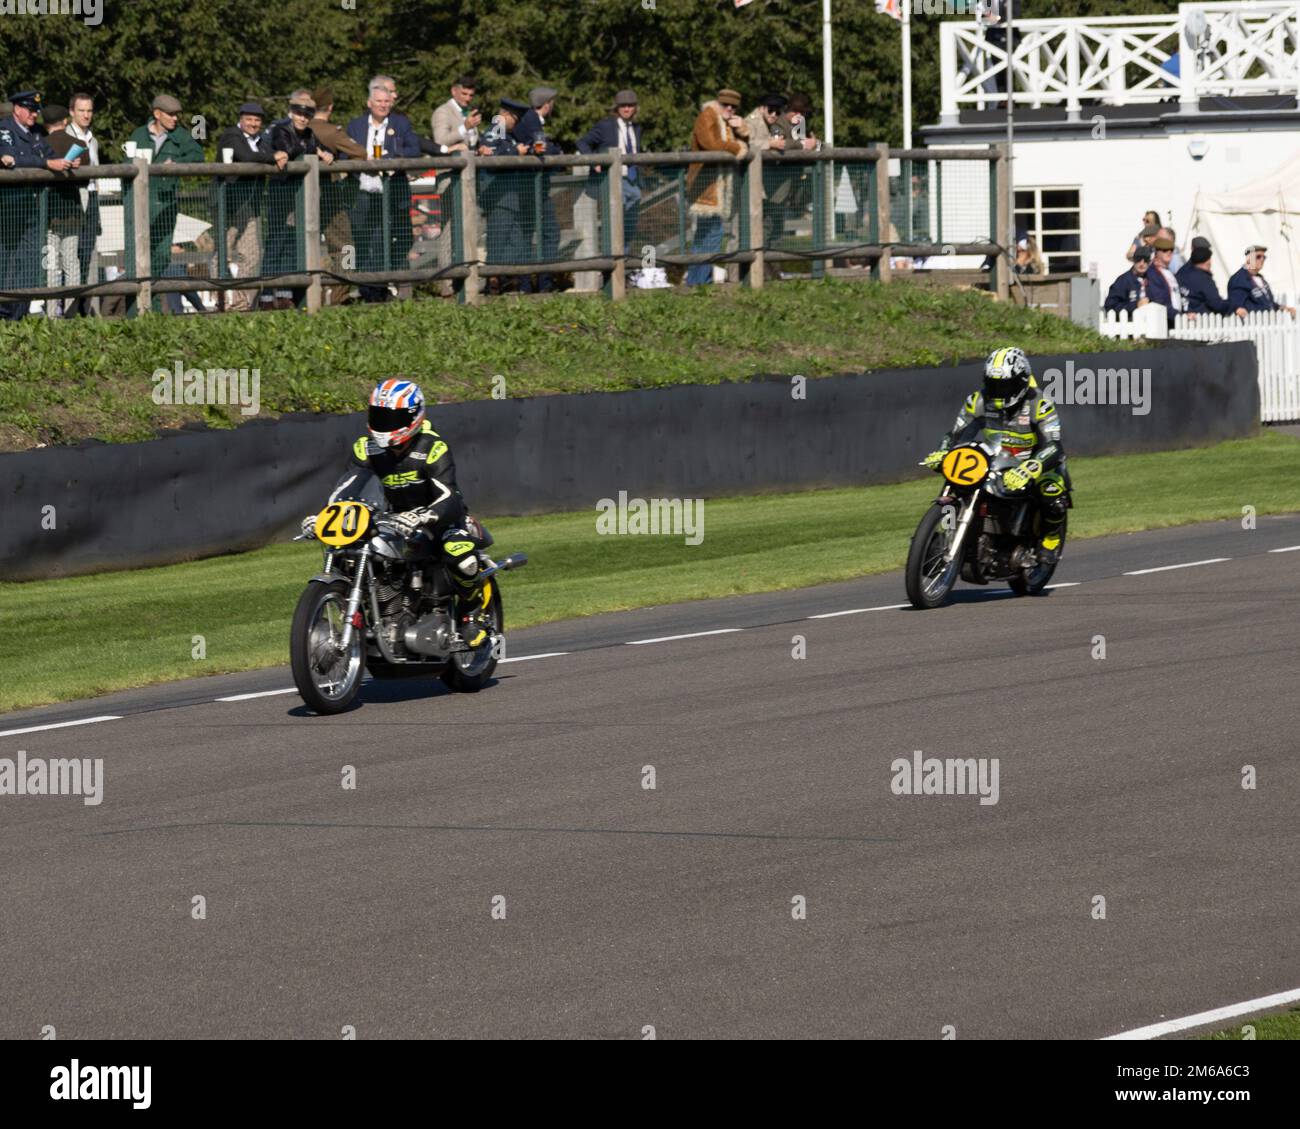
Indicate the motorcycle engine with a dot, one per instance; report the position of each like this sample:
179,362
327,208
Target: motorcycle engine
430,635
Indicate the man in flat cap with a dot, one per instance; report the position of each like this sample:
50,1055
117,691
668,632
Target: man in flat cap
619,130
1197,282
1162,284
531,131
23,145
710,188
1248,290
1129,292
249,143
163,141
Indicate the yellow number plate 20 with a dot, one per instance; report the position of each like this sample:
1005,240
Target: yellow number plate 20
965,466
341,523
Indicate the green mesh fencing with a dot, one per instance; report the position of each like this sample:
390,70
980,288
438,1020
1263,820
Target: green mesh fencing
684,209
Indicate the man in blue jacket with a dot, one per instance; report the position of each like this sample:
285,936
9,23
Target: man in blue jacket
1198,283
384,136
1247,289
531,131
1162,286
620,131
1129,291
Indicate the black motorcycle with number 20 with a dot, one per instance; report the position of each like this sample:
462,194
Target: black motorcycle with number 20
386,603
977,530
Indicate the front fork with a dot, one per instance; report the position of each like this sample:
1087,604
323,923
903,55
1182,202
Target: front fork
963,524
354,599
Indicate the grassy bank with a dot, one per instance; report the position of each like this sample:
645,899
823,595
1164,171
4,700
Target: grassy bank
61,382
1283,1026
242,605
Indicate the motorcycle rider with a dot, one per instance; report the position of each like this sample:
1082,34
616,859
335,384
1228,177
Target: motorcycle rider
414,465
1011,409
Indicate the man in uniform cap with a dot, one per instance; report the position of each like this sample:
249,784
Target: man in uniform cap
1248,290
23,146
504,195
619,130
531,131
162,140
1198,284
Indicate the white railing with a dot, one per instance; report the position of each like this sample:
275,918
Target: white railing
1276,336
1223,49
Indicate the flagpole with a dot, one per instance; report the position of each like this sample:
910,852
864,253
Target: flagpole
907,74
827,91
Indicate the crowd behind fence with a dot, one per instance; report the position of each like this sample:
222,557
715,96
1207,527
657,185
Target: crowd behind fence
234,236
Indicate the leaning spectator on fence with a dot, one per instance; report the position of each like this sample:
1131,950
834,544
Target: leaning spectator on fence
293,136
386,136
1162,285
1198,284
83,114
455,123
1248,290
1129,292
63,238
328,135
709,188
531,130
23,146
250,143
619,130
501,193
165,142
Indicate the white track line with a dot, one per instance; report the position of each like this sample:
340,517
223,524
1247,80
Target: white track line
859,611
61,725
1167,568
1204,1017
1288,549
526,658
1067,584
259,694
674,638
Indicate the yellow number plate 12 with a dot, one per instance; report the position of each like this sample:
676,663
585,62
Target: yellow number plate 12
965,466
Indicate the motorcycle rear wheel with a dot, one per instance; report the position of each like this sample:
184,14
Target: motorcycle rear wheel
469,671
1032,581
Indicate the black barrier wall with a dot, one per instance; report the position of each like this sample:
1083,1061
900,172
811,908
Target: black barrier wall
199,493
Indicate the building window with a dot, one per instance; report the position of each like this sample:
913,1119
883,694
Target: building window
1051,216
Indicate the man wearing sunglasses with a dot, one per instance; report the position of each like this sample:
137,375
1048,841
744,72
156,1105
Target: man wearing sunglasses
1248,290
292,136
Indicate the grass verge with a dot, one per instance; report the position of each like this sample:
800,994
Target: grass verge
96,375
73,638
1283,1026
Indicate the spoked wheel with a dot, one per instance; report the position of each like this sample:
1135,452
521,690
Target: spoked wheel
469,671
929,578
1032,581
327,677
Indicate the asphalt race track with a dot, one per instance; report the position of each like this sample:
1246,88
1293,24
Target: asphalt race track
627,907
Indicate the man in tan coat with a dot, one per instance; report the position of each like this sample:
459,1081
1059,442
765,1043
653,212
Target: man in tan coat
709,188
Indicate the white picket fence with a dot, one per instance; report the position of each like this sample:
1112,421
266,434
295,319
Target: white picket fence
1277,346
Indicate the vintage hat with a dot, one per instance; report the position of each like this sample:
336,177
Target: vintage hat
252,108
514,105
1143,255
540,95
1164,243
1201,255
28,99
774,101
625,98
1255,247
167,104
729,97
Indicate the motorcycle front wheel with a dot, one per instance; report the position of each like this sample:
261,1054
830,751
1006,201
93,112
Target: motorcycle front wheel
929,579
327,677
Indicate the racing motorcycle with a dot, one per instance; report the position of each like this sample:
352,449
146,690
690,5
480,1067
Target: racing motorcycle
977,529
387,604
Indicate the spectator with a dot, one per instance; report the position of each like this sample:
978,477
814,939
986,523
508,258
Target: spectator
502,193
766,132
386,136
709,188
63,235
762,118
1028,258
163,142
793,190
1198,285
455,123
1129,292
250,144
171,301
23,146
1248,290
337,191
83,114
1149,230
620,131
1162,285
795,124
293,136
531,131
1177,262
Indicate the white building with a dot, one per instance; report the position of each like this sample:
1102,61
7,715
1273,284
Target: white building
1123,114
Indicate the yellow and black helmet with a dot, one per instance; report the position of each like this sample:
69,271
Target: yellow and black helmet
1007,375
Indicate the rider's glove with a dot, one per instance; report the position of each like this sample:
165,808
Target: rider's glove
309,526
410,522
933,459
1018,477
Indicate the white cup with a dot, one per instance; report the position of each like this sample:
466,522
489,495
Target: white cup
130,148
228,156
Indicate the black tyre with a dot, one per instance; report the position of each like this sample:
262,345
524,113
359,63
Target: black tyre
328,679
929,580
469,671
1032,581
